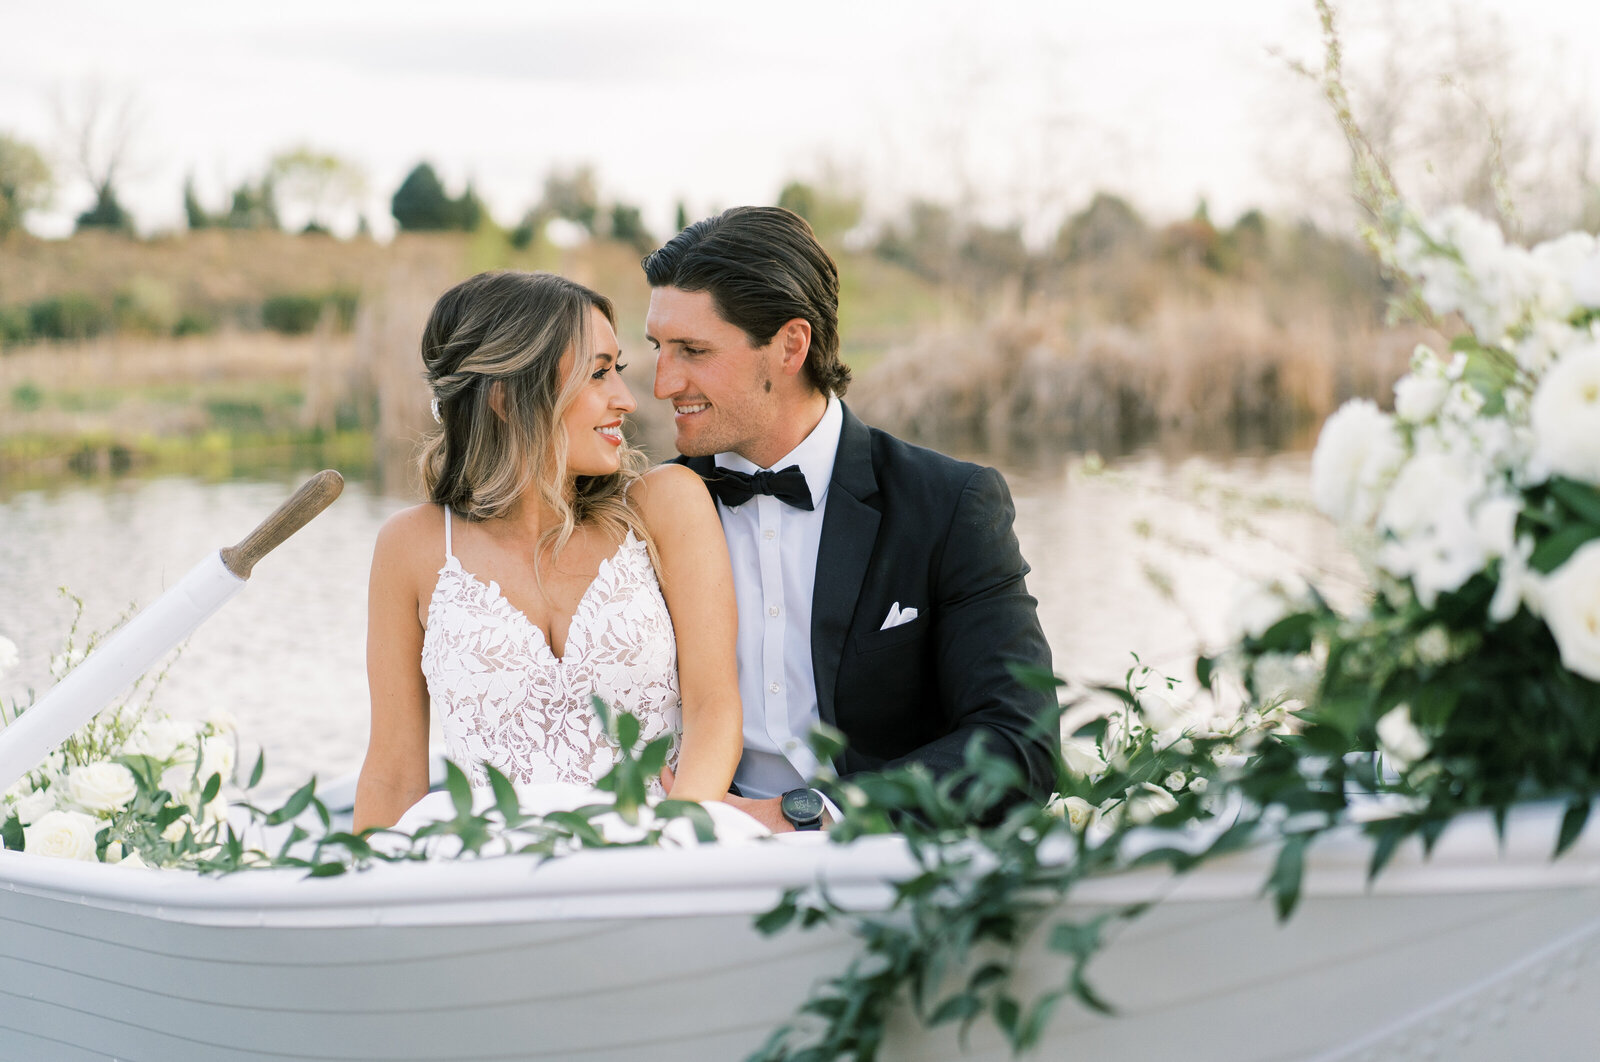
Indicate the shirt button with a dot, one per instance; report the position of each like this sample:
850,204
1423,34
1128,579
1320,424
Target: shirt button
772,610
773,688
768,534
791,745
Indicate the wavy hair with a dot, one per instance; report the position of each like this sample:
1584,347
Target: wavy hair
508,331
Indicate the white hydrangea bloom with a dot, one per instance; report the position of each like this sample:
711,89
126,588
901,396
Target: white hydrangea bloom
1356,455
1566,416
1418,398
1428,515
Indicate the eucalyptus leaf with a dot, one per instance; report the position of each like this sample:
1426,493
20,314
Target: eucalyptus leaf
1553,552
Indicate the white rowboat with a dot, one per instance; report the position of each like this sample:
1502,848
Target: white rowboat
650,954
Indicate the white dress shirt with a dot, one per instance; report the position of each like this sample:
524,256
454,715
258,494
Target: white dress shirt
773,547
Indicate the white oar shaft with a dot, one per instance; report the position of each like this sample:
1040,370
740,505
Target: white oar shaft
114,665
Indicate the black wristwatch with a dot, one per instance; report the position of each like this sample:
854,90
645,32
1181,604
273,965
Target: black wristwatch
803,808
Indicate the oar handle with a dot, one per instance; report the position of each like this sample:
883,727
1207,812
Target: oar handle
314,495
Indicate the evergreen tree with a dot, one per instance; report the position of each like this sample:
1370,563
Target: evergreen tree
107,212
627,226
192,210
420,203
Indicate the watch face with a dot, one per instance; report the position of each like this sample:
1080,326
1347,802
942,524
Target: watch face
802,805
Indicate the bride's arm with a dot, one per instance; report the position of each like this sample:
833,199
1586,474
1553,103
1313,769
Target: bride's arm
395,773
697,582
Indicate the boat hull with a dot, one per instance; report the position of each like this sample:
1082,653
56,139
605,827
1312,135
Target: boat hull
1478,953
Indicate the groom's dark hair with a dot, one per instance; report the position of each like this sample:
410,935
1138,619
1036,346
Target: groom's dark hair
762,267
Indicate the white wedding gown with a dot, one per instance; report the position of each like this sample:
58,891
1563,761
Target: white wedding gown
506,699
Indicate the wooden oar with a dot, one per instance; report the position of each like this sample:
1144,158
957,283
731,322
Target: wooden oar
153,633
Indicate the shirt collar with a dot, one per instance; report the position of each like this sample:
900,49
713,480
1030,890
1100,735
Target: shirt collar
815,454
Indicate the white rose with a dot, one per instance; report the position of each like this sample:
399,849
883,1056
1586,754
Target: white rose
35,805
1158,709
177,828
1399,739
1570,600
1175,781
1418,398
215,812
159,738
62,835
101,786
9,656
1082,757
1078,812
1566,416
216,757
134,860
1357,452
178,780
1149,801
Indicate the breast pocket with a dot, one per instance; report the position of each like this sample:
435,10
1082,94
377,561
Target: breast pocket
900,634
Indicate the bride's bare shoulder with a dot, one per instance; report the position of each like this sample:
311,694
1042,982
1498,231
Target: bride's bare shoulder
414,532
669,496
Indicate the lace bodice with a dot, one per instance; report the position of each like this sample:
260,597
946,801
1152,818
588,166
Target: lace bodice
506,699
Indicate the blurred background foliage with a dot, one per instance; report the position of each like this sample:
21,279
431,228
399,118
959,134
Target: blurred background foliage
273,319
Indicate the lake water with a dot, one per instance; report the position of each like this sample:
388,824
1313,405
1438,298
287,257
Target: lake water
1144,556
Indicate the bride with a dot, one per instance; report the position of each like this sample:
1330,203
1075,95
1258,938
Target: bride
546,568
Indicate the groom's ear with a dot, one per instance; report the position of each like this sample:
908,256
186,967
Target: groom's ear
794,343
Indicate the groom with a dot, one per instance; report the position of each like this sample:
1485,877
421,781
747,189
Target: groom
879,585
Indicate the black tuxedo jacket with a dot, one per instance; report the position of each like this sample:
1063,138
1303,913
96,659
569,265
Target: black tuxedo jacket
909,525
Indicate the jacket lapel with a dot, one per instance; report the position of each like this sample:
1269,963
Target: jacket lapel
849,531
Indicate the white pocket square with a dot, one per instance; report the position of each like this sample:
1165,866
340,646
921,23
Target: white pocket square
897,616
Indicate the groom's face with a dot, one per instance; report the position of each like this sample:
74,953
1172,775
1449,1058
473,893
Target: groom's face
720,387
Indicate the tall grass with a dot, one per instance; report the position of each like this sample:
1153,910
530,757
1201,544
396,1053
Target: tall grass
1198,373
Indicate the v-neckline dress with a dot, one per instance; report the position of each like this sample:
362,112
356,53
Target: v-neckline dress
506,699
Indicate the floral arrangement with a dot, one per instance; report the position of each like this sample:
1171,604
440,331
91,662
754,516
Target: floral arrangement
1475,509
133,786
139,788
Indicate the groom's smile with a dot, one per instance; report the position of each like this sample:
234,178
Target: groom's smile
718,383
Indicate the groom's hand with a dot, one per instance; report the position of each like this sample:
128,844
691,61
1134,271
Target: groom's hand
768,812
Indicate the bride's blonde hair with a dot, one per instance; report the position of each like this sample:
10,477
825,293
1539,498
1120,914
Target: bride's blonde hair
507,332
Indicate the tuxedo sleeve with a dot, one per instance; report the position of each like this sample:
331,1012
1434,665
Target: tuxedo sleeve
984,621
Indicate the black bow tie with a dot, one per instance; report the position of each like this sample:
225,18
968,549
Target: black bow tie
735,488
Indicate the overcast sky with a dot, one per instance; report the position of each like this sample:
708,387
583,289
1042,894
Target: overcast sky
1023,107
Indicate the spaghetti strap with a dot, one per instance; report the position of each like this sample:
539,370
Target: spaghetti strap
447,552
